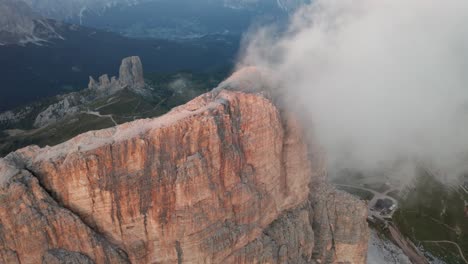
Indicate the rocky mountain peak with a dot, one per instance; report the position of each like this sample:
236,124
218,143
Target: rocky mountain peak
225,178
131,72
104,80
92,84
130,76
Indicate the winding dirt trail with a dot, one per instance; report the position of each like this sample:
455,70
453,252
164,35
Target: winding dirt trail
99,115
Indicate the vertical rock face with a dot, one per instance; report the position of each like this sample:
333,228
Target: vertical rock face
34,228
92,84
226,178
104,80
131,72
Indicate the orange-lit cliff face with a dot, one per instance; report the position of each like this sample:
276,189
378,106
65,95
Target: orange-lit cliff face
226,178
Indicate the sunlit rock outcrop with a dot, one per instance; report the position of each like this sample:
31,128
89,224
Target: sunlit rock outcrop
225,178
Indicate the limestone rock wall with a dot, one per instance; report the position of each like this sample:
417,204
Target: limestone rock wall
131,72
33,225
225,178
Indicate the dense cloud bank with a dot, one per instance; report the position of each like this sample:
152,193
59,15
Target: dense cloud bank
381,81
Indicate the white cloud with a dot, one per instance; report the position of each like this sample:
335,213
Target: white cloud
379,80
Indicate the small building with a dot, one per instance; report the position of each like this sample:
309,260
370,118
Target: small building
384,205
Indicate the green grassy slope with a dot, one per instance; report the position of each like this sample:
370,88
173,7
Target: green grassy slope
167,91
433,211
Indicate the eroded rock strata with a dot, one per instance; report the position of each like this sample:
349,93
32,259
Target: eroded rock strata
225,178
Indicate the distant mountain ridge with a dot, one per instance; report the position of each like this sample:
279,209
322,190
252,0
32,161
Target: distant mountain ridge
60,9
19,24
82,51
167,19
26,21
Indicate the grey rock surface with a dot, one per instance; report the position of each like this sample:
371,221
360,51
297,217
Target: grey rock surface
131,72
62,256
